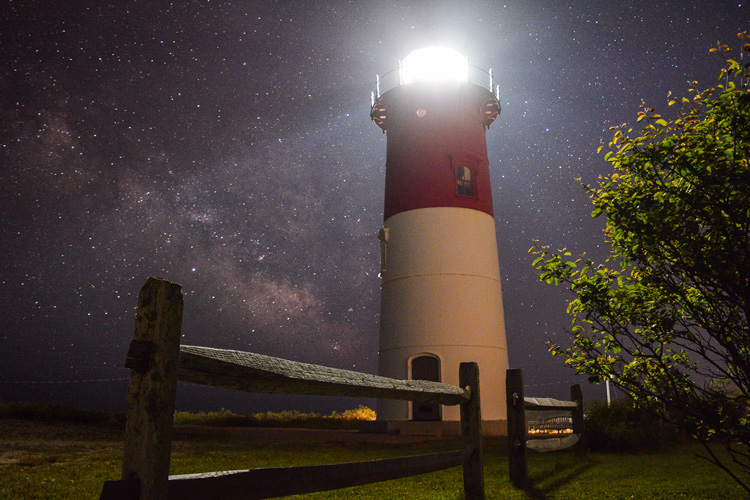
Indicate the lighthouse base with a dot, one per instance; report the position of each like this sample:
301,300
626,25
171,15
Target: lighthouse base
490,428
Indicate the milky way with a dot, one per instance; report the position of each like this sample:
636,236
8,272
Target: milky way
227,146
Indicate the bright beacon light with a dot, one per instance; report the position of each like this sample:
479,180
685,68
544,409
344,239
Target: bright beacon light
434,63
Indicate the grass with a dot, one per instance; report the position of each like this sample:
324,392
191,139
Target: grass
42,460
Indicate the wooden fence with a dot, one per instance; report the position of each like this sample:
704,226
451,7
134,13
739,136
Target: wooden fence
157,361
518,405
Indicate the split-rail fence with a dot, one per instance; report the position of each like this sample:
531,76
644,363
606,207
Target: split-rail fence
157,361
518,405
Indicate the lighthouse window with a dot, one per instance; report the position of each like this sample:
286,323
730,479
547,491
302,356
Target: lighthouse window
464,181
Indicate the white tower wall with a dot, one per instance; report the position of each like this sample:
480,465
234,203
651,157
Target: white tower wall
441,295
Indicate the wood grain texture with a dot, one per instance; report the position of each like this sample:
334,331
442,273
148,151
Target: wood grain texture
576,394
546,404
471,432
516,426
246,371
553,444
256,484
151,394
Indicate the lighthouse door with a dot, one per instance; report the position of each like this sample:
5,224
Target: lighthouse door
425,368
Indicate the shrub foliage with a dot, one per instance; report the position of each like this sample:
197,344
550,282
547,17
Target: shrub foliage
622,427
349,419
666,316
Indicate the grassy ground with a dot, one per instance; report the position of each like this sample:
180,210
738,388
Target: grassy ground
71,461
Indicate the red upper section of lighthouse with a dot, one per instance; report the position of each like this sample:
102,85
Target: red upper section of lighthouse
437,152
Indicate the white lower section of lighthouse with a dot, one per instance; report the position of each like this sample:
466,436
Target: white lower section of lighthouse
441,299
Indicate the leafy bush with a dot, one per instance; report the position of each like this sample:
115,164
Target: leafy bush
623,428
348,419
360,413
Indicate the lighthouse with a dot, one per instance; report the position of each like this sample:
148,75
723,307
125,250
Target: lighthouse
441,301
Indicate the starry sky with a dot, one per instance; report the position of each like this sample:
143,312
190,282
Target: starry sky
227,146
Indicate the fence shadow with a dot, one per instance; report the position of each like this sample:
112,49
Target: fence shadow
542,484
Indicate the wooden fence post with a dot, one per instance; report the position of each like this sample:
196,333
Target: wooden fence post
471,432
576,394
516,426
153,359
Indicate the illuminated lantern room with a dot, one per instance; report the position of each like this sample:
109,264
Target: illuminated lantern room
434,63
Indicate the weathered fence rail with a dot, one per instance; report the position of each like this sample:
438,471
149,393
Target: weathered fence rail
246,371
157,361
518,442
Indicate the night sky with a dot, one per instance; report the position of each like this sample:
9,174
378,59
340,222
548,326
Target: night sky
227,146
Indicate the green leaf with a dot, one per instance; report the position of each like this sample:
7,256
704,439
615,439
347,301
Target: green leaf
672,288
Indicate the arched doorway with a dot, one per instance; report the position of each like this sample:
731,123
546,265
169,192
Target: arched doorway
425,367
